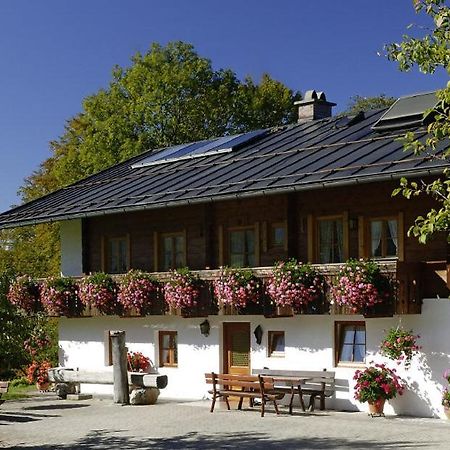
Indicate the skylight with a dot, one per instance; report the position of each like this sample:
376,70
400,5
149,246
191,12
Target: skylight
406,112
199,149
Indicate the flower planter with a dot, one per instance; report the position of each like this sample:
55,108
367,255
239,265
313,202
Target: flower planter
228,310
174,311
376,408
284,311
131,312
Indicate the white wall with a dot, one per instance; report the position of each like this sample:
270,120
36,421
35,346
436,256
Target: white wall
309,346
71,248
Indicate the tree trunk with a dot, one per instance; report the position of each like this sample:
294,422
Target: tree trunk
119,358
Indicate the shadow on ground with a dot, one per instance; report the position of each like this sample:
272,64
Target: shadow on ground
16,417
55,406
103,439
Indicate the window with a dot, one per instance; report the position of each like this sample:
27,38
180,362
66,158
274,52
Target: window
117,255
173,250
350,342
168,349
242,247
331,240
277,238
276,343
383,238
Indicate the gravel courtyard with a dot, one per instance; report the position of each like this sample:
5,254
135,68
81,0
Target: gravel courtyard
46,422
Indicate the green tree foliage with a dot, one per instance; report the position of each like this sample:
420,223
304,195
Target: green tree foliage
358,103
167,96
429,53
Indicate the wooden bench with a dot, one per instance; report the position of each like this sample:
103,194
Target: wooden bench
242,386
319,384
3,389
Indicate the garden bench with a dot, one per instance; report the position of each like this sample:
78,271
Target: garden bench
317,384
3,389
242,386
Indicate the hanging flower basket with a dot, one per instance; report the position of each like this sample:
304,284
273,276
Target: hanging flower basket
235,289
182,290
295,286
98,292
24,294
137,291
361,286
400,345
59,297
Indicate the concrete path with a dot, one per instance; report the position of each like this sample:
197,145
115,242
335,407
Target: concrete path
48,423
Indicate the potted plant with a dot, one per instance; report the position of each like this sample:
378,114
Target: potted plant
24,294
136,292
400,345
137,362
361,285
375,385
236,288
98,292
182,290
293,286
37,372
59,297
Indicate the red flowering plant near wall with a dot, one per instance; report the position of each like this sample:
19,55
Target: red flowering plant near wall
182,290
59,297
400,345
236,287
137,362
37,372
295,284
136,290
376,383
24,294
361,285
99,291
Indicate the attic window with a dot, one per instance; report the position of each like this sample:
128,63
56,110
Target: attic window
407,112
199,149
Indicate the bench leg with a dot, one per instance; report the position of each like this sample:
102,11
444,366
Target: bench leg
241,399
227,402
300,396
322,402
292,399
213,403
312,402
263,406
276,406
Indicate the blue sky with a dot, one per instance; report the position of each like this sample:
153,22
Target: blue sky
54,53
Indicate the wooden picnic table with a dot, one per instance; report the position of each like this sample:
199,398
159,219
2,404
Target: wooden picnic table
294,385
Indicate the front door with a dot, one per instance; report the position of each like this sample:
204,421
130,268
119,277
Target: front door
236,351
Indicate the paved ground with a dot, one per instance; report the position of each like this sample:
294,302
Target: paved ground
48,423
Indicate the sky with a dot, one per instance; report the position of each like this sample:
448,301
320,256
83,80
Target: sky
53,53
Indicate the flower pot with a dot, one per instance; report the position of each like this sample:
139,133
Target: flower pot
174,311
284,311
42,386
376,408
447,412
228,310
131,312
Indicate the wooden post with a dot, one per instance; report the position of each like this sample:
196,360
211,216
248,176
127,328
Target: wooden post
119,358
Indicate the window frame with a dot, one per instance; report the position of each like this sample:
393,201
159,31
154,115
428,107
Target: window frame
316,236
173,350
256,242
384,220
173,235
339,328
270,350
105,245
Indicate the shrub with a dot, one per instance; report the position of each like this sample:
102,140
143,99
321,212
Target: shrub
37,372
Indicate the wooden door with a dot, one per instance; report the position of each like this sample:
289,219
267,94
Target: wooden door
236,348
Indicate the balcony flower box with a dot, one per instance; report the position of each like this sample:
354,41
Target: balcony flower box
98,294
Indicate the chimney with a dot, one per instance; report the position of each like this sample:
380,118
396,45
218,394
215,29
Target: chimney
313,106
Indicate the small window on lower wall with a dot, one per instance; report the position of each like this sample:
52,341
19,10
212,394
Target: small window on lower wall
168,349
276,343
350,343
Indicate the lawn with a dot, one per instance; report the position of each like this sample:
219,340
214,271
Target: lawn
19,391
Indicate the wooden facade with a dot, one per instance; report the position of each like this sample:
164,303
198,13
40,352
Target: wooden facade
421,269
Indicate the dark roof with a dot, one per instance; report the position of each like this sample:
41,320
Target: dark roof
309,155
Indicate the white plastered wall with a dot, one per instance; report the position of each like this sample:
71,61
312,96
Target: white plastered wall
309,346
71,248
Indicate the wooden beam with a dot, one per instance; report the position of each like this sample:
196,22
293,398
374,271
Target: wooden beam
221,245
361,237
345,233
155,252
119,357
310,236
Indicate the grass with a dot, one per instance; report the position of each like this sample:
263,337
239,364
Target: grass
19,391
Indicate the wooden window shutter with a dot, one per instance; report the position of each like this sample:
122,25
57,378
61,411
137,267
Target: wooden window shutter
401,236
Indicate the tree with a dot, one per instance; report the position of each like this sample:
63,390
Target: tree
358,103
167,96
429,53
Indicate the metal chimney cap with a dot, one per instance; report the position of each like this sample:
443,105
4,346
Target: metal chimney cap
312,96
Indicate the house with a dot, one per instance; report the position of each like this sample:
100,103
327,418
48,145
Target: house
319,190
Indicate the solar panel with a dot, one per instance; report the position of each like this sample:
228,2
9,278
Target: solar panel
406,112
198,149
